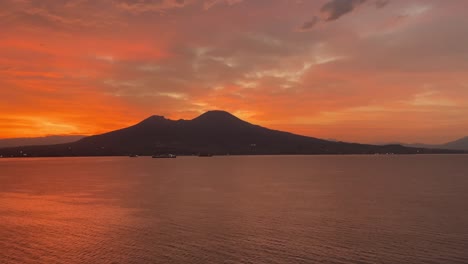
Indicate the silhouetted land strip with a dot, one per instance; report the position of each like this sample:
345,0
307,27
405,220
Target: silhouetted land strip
460,144
214,132
38,141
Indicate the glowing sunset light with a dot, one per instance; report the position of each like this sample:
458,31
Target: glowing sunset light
362,71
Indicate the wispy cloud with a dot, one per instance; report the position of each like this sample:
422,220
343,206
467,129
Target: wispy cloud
338,8
211,3
141,6
335,9
308,25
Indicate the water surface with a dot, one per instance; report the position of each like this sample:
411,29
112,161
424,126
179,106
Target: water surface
265,209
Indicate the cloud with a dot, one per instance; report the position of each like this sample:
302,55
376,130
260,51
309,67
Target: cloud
141,6
46,15
79,15
308,25
381,3
210,3
335,9
338,8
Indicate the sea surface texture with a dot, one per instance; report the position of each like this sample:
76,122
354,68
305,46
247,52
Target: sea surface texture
259,209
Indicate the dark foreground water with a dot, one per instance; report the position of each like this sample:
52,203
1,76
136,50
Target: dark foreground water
304,209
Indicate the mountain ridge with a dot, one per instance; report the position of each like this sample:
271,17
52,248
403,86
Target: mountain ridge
217,132
458,144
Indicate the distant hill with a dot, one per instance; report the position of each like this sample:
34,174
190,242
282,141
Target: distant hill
460,144
48,140
214,132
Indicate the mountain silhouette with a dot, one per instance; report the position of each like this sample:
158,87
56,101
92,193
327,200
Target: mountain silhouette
459,144
34,141
215,132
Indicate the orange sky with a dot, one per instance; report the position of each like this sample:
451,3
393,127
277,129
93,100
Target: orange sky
353,70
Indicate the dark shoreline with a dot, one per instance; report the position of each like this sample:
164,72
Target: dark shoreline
244,155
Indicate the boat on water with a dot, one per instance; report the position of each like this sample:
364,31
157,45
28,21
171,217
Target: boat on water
164,156
133,156
205,155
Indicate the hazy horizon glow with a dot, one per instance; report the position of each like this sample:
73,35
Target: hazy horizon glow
352,70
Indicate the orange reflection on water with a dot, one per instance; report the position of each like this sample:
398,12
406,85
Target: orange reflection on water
58,229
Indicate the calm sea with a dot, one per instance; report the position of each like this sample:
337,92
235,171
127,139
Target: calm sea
265,209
